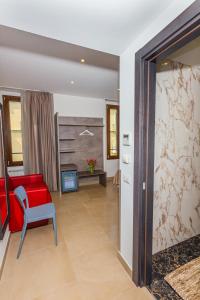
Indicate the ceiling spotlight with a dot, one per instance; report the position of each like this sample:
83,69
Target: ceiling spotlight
165,63
72,81
82,60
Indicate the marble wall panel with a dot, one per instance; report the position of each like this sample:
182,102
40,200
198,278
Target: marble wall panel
177,155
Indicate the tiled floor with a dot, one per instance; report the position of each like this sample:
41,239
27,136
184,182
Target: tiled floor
83,266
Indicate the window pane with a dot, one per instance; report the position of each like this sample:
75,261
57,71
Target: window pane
113,143
16,140
16,134
17,157
15,115
112,131
113,119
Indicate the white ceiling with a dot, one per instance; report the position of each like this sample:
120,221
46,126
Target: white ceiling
105,25
42,42
29,61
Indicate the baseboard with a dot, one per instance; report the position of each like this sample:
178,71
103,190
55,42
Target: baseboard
124,264
4,255
110,179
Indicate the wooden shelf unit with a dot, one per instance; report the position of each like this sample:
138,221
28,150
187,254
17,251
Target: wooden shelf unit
73,148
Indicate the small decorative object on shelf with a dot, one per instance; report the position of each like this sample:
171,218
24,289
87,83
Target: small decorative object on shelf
91,165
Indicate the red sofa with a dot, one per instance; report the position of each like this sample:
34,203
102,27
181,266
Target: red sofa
38,194
3,206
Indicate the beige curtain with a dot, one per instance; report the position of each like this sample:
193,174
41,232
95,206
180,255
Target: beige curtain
39,136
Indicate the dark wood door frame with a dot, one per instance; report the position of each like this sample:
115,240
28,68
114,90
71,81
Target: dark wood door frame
182,30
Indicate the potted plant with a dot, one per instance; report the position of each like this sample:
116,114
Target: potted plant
91,165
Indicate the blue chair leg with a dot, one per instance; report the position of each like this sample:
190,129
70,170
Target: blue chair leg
55,230
22,239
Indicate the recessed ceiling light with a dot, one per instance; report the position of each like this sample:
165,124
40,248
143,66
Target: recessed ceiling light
72,81
82,60
165,63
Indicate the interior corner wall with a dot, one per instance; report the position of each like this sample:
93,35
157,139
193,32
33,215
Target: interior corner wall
76,106
177,155
127,90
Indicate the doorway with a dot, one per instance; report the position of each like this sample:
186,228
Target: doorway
176,218
177,34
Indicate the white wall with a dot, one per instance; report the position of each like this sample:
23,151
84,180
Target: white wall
76,106
127,77
8,92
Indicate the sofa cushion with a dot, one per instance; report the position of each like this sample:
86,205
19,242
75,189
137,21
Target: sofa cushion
3,207
26,180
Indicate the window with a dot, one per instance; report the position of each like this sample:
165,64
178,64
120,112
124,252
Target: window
112,131
13,130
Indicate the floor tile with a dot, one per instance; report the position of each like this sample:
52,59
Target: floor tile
84,265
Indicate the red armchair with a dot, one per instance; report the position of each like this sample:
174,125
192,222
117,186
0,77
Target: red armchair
38,194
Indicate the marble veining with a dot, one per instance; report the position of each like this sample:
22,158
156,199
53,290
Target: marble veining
177,156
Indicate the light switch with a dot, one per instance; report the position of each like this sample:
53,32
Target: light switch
126,139
126,158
